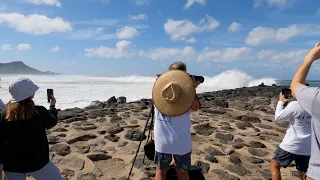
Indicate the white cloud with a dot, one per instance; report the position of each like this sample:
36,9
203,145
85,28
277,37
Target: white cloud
122,50
277,3
138,17
55,49
185,53
284,57
98,22
5,47
21,47
46,2
191,40
234,27
96,34
225,55
261,35
127,33
34,24
181,29
189,3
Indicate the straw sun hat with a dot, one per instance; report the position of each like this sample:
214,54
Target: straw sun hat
173,93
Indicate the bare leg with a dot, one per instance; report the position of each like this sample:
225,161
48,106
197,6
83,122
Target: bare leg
160,173
275,170
182,175
303,175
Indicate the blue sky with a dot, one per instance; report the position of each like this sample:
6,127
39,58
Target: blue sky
142,37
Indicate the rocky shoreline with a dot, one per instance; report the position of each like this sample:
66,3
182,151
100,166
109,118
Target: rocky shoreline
233,135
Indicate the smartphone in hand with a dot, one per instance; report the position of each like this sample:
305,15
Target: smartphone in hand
49,94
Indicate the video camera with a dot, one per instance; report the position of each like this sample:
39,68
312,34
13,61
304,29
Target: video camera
197,78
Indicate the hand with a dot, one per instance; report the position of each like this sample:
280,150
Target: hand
53,101
196,83
314,53
282,98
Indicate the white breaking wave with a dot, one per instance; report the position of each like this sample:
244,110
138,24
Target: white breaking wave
79,91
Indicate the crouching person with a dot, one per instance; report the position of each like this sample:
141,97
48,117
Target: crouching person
296,145
24,148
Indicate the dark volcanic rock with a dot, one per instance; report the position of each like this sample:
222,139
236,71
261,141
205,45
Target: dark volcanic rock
53,139
239,145
83,137
224,137
250,119
112,100
121,100
82,148
98,156
211,158
214,152
135,135
223,175
257,152
114,130
60,149
87,176
243,125
238,169
255,160
204,129
112,137
256,144
115,119
203,166
234,159
62,115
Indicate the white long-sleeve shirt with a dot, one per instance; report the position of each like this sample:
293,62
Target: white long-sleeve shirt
2,106
298,136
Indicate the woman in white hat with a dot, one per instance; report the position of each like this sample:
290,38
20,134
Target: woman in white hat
24,148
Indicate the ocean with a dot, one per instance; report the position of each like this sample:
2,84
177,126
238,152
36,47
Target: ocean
80,91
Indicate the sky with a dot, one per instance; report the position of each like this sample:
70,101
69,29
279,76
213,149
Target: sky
264,38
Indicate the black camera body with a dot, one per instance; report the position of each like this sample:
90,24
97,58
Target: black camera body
197,78
286,92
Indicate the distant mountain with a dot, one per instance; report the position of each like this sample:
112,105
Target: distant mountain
18,67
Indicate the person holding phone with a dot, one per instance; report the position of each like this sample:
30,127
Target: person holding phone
296,145
24,148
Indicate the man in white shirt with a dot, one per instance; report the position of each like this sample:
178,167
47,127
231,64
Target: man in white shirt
2,106
172,137
296,145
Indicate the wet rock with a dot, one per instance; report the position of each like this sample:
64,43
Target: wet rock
257,152
62,115
101,132
135,135
234,159
98,156
121,100
238,169
256,144
204,129
60,149
112,100
224,137
83,137
114,130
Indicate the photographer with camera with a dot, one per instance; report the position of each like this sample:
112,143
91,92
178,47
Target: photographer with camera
174,95
24,147
296,145
309,99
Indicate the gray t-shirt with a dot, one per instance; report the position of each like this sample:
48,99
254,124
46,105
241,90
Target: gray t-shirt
309,99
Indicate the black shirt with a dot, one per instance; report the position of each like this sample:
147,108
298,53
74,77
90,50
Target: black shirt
23,143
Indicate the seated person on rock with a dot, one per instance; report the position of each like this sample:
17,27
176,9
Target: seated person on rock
24,148
296,145
173,96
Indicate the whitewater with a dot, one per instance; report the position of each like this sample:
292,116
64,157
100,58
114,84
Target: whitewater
80,91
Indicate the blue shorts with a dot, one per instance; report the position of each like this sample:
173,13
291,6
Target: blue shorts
285,158
182,162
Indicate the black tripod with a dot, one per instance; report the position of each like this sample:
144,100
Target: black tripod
151,145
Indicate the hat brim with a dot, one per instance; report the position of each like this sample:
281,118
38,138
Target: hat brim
187,96
25,95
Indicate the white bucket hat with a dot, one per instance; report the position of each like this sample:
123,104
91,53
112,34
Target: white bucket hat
22,89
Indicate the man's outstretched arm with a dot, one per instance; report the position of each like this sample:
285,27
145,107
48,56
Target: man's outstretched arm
300,91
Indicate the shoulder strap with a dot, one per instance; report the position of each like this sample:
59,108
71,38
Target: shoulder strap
151,123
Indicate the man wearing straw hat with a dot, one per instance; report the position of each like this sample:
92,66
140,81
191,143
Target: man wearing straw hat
173,95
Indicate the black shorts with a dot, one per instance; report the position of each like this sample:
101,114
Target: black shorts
285,158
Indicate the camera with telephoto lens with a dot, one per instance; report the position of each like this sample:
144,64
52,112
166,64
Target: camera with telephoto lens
197,78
